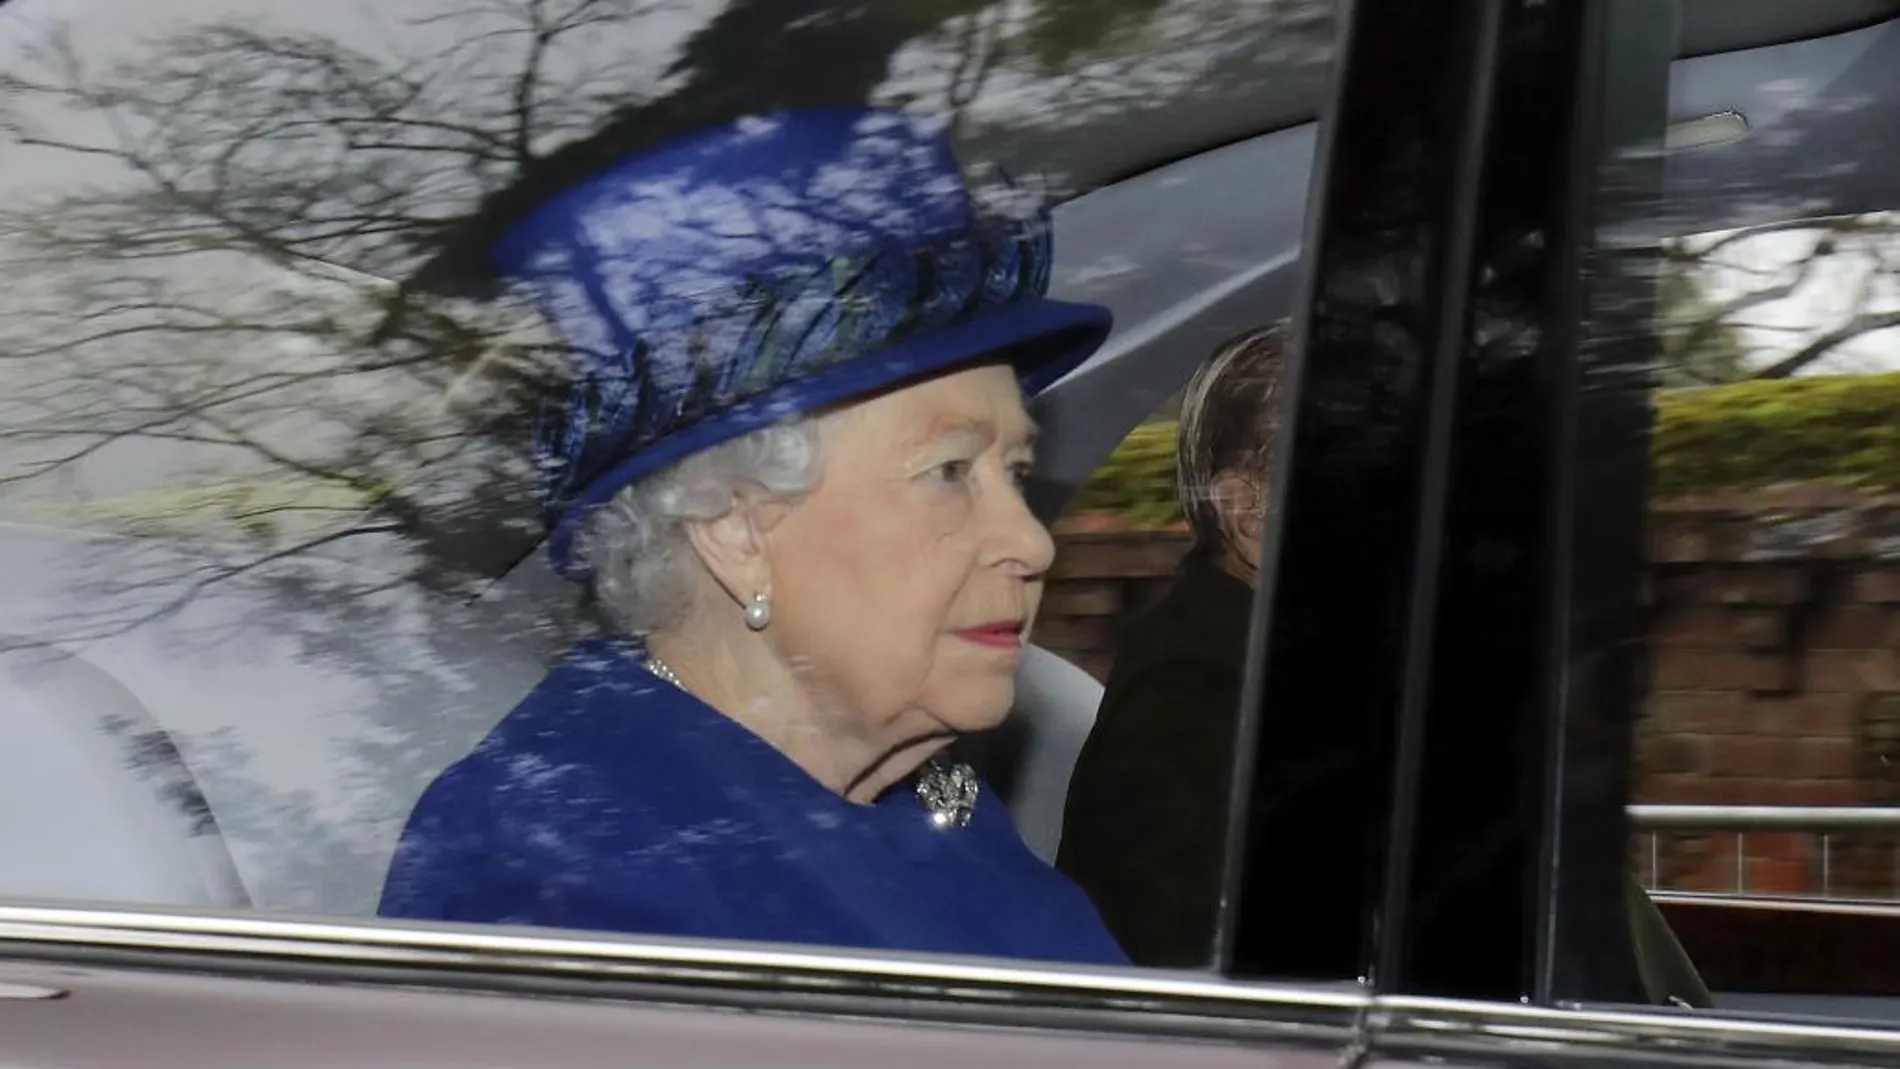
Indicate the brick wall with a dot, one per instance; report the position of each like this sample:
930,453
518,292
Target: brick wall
1099,579
1774,672
1775,680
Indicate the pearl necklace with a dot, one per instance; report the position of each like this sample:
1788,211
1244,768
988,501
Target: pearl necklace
946,789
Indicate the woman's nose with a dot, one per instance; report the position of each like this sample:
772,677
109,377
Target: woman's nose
1023,541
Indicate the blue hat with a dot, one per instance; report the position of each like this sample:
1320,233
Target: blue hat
763,270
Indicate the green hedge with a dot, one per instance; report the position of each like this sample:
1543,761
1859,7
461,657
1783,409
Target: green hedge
1136,483
1842,430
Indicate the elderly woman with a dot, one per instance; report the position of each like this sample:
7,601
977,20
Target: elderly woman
789,469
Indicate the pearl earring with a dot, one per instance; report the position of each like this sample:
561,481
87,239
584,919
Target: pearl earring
758,615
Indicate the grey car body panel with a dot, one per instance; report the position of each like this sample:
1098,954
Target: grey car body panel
110,1019
67,1016
200,989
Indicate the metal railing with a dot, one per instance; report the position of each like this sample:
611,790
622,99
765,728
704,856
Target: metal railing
1823,822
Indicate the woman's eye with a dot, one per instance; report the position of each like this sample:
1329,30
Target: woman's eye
954,471
1019,473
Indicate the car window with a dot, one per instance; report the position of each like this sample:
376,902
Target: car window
1760,749
320,321
1762,818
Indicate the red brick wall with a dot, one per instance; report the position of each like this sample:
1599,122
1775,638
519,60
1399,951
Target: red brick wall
1774,672
1775,680
1099,579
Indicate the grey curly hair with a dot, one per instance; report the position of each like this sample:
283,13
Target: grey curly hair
636,545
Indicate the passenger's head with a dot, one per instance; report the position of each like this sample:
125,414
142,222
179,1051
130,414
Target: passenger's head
889,539
1230,418
790,457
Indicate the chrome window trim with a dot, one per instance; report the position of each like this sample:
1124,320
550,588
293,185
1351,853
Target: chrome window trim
1410,1025
558,963
874,984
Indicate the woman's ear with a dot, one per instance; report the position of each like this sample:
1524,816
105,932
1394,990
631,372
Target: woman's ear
733,550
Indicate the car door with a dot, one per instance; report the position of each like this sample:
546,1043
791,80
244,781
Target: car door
1567,332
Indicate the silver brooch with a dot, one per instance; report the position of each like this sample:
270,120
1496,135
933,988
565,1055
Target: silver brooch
948,789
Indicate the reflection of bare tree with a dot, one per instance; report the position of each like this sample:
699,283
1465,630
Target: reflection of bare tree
1781,299
193,305
257,289
766,55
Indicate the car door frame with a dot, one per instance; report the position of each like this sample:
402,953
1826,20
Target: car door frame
1507,400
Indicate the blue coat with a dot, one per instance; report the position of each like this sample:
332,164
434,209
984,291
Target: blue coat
610,800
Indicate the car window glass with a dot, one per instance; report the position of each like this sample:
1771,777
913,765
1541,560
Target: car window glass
278,446
1759,754
1763,821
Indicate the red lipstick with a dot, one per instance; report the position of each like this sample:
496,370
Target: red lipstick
1003,634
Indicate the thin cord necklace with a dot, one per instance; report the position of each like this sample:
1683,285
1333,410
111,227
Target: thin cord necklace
946,789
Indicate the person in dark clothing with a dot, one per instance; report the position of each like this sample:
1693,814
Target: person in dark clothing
1145,824
1144,828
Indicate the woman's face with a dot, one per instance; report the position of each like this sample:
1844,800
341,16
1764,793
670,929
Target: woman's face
905,584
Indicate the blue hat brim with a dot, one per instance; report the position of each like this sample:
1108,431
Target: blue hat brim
1043,341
